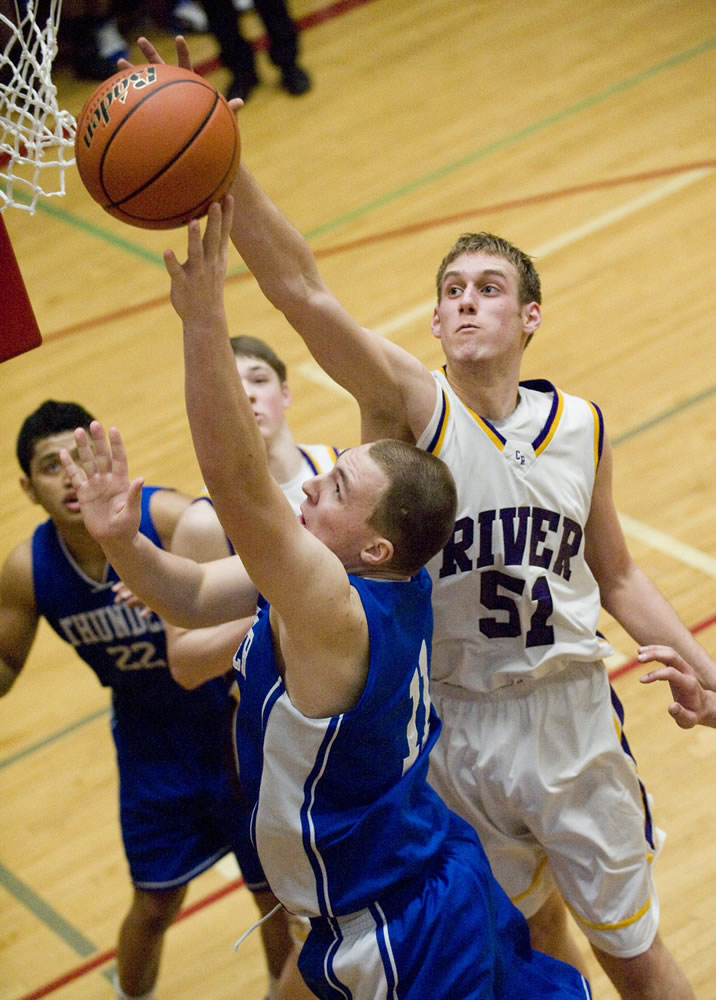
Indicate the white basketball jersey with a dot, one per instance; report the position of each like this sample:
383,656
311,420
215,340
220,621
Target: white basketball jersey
512,593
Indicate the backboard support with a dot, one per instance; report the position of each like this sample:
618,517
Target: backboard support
19,331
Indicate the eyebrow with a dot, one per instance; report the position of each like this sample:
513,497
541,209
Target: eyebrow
485,272
259,366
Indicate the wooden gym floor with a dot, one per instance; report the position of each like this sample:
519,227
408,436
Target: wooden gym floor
582,132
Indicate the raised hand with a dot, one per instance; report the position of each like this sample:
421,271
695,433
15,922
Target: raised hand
197,291
110,503
152,56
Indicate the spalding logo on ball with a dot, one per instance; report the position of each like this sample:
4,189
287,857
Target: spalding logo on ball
155,145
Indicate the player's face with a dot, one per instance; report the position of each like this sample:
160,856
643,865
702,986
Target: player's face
479,317
268,396
48,484
339,503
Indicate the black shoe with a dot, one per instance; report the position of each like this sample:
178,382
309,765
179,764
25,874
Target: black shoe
241,86
295,80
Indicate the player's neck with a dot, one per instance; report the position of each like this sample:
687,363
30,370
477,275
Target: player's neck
284,458
85,551
492,394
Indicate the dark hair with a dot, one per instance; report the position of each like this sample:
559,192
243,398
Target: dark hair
529,284
252,347
416,512
50,418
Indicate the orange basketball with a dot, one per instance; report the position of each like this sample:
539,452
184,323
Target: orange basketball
155,145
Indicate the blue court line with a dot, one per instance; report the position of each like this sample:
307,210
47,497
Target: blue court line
666,415
44,912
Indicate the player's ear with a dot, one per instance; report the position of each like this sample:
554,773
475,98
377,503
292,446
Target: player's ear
286,395
531,317
28,489
378,553
435,323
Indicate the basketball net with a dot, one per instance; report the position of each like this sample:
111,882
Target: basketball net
36,137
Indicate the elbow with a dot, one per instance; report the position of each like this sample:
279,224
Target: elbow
184,676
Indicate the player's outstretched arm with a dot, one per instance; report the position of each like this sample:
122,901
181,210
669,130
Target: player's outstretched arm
393,389
627,593
318,623
395,392
182,591
693,704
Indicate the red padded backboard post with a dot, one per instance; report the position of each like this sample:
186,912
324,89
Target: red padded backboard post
19,331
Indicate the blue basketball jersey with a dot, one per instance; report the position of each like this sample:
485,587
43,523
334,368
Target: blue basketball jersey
179,809
125,649
341,809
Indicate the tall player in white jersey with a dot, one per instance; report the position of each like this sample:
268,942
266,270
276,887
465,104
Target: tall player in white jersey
520,684
521,688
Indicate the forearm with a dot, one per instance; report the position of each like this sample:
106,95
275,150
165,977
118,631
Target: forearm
273,249
198,655
637,604
168,584
372,369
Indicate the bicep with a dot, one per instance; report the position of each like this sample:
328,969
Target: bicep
393,389
606,550
18,611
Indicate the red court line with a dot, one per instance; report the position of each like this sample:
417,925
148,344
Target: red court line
503,206
535,199
107,956
627,667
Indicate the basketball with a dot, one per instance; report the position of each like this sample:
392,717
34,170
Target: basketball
155,145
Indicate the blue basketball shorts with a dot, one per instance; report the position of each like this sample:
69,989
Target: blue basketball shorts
180,810
455,936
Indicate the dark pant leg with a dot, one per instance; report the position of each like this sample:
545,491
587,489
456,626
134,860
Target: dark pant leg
281,30
236,53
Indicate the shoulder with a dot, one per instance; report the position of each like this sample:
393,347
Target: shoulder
199,534
166,506
16,581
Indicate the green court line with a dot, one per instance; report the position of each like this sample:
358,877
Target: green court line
53,737
49,917
666,415
420,182
515,137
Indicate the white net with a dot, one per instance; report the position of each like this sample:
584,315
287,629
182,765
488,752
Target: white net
36,137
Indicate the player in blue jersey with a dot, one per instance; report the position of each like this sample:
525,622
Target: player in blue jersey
196,654
334,726
178,809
